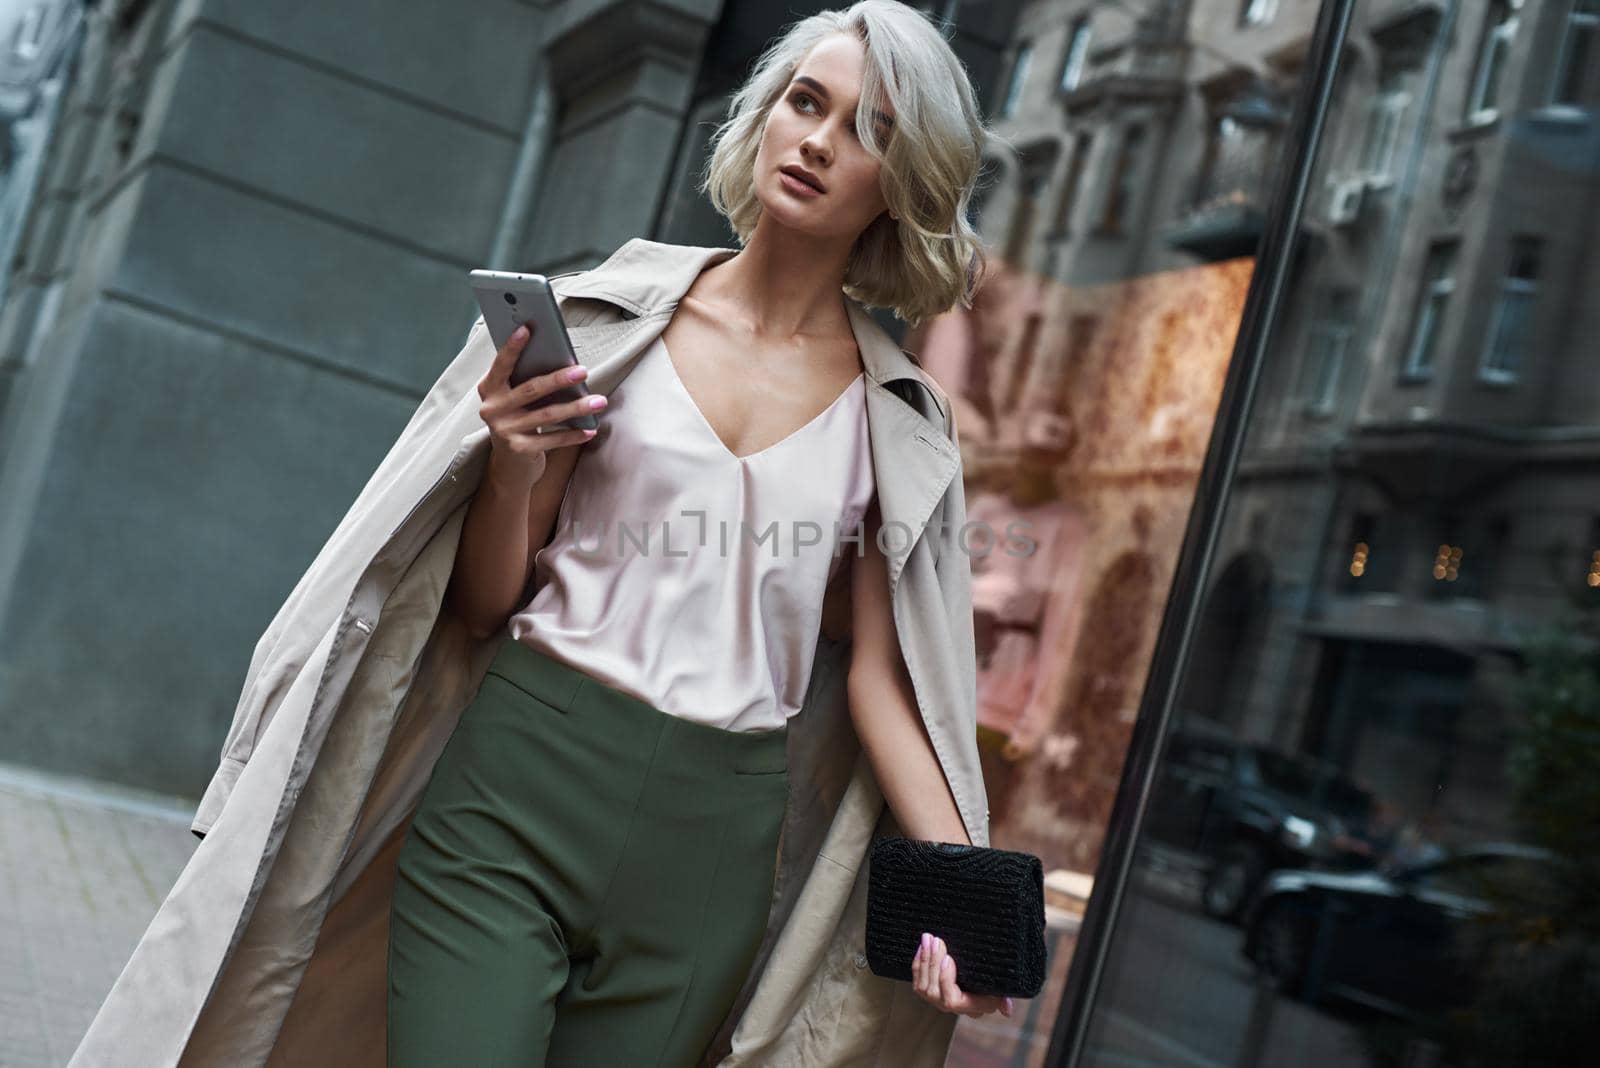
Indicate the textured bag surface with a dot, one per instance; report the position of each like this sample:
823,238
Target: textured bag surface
987,905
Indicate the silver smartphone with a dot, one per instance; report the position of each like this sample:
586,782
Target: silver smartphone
508,300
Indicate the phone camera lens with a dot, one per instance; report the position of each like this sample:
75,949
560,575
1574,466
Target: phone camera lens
511,298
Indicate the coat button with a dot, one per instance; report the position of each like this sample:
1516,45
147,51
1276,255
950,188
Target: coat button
365,626
861,960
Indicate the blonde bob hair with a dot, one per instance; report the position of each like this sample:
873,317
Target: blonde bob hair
930,258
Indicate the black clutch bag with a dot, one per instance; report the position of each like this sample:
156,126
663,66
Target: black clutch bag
987,904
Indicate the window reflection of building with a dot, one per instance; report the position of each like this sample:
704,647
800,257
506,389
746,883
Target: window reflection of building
1122,183
1387,113
1576,71
1499,29
1034,165
1327,347
1227,201
1075,351
1071,183
1018,78
1076,55
1433,301
1257,12
1100,705
1411,573
1514,307
1230,639
1413,502
1027,556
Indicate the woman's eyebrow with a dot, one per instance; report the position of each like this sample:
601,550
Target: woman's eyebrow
822,91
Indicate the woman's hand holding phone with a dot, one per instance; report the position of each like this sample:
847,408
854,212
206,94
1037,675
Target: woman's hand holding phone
518,446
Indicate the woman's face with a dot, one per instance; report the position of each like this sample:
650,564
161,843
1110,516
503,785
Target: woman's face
812,126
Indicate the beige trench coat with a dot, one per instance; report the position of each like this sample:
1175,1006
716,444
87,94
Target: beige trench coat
270,949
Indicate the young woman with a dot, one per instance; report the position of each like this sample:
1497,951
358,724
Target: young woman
622,769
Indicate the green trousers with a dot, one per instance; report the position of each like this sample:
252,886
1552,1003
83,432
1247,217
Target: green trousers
585,881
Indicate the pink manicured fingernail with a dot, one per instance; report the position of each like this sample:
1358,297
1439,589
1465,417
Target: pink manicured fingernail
520,332
948,962
597,402
576,373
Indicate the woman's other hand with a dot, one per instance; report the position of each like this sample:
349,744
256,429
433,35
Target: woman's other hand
518,447
933,973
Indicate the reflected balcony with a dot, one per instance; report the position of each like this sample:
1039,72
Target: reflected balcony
1147,66
1224,214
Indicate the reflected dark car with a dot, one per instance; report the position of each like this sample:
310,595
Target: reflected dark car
1397,940
1242,810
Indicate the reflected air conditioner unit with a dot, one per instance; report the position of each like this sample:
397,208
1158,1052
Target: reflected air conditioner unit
1344,206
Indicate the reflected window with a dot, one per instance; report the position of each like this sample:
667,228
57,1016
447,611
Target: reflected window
1036,162
1121,187
1019,76
1438,282
29,36
1327,342
1511,320
1071,183
1080,335
1384,116
1241,154
1257,12
1027,355
1077,53
1500,27
1374,553
1465,555
1580,38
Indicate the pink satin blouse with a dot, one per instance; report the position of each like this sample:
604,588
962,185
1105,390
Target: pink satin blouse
688,576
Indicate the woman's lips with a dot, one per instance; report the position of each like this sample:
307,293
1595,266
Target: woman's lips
796,186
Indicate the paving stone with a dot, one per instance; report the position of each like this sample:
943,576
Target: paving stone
83,868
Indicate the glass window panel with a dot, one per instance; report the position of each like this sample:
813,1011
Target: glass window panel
1389,627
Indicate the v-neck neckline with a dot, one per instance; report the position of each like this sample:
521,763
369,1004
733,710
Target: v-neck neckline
694,405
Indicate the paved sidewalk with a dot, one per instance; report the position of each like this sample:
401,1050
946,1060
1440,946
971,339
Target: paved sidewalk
83,868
